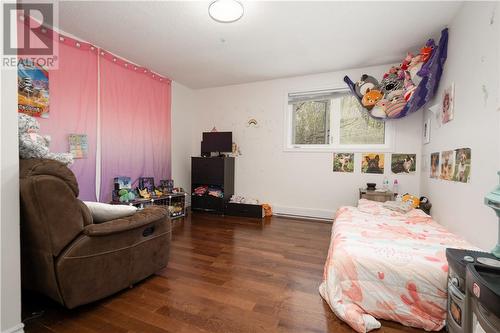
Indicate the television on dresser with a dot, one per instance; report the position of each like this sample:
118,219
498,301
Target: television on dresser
217,142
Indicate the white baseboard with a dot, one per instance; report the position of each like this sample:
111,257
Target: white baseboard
322,214
16,329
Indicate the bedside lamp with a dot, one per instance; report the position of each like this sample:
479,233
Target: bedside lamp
492,200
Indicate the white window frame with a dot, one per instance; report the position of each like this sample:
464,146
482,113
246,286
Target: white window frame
334,139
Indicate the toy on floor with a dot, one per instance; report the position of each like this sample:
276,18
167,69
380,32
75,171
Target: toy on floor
268,211
34,145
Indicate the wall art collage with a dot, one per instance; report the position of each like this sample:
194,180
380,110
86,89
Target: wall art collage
452,165
375,163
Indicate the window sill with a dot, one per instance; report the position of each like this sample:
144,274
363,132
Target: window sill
340,149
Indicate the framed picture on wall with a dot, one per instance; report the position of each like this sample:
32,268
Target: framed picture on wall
447,104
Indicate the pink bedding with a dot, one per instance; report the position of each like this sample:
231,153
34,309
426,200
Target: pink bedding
387,265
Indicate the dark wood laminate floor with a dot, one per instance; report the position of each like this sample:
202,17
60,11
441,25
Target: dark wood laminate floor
225,275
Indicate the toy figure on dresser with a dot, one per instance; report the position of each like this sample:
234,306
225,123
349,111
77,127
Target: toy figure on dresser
147,183
126,195
122,191
34,145
167,185
144,193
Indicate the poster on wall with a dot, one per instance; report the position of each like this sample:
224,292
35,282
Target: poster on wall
447,104
403,163
427,131
372,163
462,165
435,165
32,89
78,145
447,164
343,162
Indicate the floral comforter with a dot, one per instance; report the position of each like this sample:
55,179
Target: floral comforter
387,265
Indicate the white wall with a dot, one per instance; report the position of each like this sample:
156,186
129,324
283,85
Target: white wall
473,61
10,294
183,117
299,183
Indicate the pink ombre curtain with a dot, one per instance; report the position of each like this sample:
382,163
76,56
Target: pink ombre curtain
135,123
73,108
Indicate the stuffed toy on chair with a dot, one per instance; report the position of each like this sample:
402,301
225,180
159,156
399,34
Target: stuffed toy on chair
34,145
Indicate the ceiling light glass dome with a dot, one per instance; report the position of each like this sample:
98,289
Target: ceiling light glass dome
225,11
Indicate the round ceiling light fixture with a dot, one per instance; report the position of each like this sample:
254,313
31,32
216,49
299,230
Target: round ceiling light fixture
225,11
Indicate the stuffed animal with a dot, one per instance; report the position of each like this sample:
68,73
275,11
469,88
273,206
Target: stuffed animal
268,211
394,107
425,205
365,84
392,81
158,192
415,201
409,86
379,111
34,145
426,51
371,98
406,62
126,195
144,193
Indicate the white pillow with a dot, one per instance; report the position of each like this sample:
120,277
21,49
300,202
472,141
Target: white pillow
102,212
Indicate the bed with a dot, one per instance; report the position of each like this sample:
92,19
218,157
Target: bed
387,265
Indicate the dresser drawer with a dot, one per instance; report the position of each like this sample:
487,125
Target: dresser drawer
207,171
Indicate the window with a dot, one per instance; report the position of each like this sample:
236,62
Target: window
332,120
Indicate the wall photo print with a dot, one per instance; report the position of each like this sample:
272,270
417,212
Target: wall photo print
403,163
32,89
435,165
462,165
372,163
447,164
78,145
343,162
447,104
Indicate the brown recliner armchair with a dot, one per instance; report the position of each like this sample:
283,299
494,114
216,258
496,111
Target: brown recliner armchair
66,256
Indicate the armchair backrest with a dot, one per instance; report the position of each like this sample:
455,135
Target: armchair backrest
51,214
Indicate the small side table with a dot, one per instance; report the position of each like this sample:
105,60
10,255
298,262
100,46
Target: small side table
376,195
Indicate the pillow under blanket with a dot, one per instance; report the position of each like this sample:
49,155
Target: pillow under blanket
102,212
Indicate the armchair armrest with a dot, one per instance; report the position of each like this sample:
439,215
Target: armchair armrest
138,220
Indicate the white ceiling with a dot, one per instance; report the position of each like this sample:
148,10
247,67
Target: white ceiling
272,40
